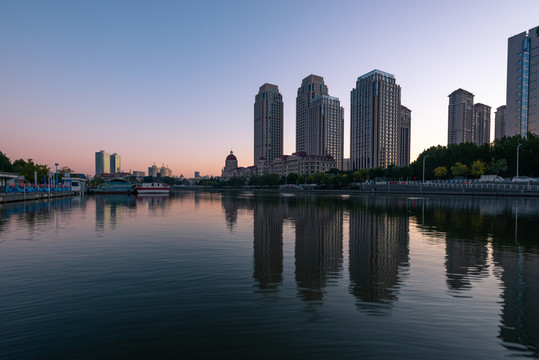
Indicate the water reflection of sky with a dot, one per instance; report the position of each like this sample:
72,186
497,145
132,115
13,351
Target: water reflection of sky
448,259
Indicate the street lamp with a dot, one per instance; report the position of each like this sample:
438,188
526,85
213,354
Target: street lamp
519,145
56,174
426,156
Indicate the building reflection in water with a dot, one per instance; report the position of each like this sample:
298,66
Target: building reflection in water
268,244
318,246
230,206
108,210
509,227
519,263
379,252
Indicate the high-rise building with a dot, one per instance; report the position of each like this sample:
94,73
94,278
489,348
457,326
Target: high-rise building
404,132
268,119
311,87
102,162
115,163
153,170
325,128
499,123
522,83
460,117
481,124
375,106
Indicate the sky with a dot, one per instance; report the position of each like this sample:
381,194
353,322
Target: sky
174,82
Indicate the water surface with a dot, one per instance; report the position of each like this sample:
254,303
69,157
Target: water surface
209,275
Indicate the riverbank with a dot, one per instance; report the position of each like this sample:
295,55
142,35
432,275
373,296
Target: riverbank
5,198
515,190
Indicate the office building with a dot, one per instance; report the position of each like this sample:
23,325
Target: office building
461,115
311,87
403,138
102,163
481,124
115,164
499,123
375,107
325,128
268,123
139,174
522,83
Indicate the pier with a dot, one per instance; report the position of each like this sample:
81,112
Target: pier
5,198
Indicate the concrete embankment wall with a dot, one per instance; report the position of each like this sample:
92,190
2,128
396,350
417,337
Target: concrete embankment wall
5,198
451,190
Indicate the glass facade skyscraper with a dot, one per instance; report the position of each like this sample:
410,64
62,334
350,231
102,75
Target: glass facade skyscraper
522,83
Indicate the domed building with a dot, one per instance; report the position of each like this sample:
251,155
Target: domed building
231,162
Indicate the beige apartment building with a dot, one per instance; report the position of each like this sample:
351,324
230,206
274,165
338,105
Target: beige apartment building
481,124
467,122
499,123
460,117
268,123
374,125
311,87
325,128
404,132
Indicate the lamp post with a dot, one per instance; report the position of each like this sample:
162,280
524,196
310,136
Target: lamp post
426,156
56,174
518,147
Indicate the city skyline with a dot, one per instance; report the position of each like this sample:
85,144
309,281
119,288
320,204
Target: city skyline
71,84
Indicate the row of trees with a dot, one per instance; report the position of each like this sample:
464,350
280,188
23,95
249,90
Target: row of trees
28,169
470,160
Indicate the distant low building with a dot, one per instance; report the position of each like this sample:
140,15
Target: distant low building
299,163
347,164
139,173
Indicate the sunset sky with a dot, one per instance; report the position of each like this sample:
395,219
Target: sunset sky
173,82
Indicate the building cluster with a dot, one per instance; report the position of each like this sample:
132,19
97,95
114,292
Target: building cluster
109,165
106,163
471,123
467,122
380,129
162,171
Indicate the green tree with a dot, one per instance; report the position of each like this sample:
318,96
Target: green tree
459,169
28,169
5,163
377,172
497,165
237,181
360,175
478,168
322,178
440,172
292,178
255,180
271,179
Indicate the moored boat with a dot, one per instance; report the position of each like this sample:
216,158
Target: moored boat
114,186
152,188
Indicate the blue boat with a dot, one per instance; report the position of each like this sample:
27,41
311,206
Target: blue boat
115,186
